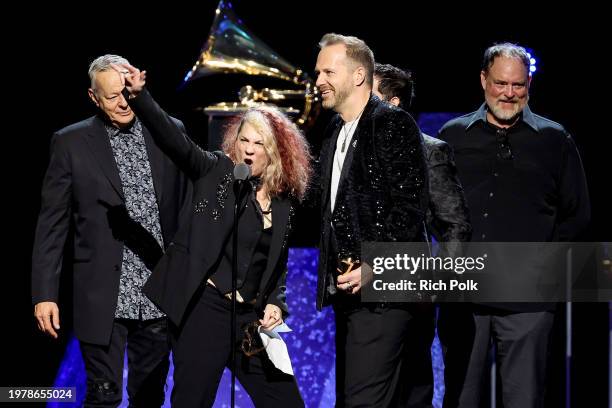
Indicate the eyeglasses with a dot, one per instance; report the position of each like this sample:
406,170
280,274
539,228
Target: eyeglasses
251,343
505,151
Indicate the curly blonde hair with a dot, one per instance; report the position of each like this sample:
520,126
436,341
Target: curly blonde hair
289,160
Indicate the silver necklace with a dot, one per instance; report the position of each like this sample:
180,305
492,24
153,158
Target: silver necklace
346,133
343,148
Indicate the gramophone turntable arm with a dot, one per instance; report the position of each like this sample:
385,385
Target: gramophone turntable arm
170,135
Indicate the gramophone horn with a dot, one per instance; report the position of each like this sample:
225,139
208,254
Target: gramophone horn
232,49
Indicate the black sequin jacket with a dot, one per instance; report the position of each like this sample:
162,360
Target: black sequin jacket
383,190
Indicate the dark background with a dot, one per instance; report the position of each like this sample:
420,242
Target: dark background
47,55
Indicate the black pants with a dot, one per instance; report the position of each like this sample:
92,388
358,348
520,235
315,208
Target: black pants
383,356
148,350
201,350
522,343
456,331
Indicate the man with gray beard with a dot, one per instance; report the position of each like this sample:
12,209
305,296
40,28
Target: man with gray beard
524,182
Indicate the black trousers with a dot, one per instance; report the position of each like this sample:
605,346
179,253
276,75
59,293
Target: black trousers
522,343
201,350
456,331
383,356
148,350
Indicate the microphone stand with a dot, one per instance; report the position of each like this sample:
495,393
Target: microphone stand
238,190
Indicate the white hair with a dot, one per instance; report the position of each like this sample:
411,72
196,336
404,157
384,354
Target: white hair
103,63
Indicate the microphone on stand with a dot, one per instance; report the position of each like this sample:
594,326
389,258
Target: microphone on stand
242,172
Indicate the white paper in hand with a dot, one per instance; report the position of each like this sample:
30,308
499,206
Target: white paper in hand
276,347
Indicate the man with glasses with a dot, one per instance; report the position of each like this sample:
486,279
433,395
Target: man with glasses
524,182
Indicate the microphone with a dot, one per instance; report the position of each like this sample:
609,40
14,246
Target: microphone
242,172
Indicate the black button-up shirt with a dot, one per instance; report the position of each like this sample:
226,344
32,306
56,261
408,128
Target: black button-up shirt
524,183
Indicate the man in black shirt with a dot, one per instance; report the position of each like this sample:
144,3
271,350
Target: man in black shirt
524,182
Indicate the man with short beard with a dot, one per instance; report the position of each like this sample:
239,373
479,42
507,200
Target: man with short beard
524,182
373,181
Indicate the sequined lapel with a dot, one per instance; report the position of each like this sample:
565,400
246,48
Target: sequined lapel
364,129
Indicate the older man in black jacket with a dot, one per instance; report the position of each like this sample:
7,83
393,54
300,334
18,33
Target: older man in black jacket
109,186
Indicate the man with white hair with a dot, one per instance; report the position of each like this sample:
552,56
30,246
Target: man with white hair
110,190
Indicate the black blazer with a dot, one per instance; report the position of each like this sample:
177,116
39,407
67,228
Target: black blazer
203,244
448,218
81,183
383,190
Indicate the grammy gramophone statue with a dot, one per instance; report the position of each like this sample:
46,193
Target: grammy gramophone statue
232,49
346,265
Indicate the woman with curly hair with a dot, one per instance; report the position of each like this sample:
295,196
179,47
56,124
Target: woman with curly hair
192,282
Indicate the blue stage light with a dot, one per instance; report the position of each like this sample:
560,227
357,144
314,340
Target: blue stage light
532,62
